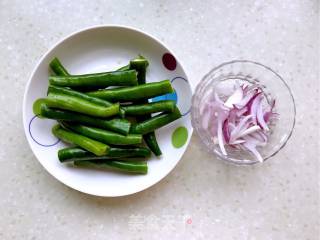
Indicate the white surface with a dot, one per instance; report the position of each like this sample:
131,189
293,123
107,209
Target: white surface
278,200
100,49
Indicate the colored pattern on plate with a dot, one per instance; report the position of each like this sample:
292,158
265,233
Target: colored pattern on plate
35,136
179,136
169,61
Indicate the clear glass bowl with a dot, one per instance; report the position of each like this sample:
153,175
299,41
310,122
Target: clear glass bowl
273,86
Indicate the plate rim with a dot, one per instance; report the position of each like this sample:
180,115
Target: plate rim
82,30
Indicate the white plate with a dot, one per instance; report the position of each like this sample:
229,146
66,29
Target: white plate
104,48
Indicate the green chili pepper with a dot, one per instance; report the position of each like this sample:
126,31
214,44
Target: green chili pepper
155,122
126,94
79,154
148,108
90,145
117,125
104,135
139,167
97,80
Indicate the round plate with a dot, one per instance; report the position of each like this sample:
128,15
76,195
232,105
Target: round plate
98,49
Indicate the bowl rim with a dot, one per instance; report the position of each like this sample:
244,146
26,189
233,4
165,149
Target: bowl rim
226,158
60,41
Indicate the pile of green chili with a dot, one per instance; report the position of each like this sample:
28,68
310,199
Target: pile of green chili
107,126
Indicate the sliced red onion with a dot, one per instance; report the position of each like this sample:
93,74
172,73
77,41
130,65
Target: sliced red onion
226,130
252,148
254,107
247,98
260,118
234,133
249,103
231,126
267,116
220,137
232,116
239,141
235,98
259,136
240,121
214,111
255,141
241,111
207,98
249,130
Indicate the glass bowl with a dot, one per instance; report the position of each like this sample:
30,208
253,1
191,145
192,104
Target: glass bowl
273,86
